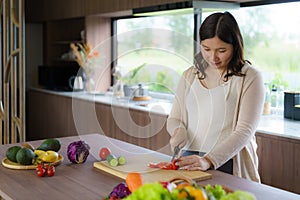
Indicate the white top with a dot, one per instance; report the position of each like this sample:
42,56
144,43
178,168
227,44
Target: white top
206,110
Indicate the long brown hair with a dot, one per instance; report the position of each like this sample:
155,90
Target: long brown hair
226,28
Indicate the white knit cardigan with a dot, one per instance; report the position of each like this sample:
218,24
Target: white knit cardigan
240,144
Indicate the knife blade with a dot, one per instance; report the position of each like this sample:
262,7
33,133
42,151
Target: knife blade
176,152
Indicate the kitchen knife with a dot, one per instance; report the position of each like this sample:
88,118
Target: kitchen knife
176,152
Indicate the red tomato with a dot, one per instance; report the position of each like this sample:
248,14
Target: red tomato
104,152
51,170
41,172
164,183
174,164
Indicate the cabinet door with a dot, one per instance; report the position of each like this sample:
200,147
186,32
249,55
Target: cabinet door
58,35
142,128
49,116
279,161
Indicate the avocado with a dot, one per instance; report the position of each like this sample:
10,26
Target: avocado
11,153
50,144
25,156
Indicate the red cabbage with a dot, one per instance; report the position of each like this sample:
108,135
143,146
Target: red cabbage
78,151
120,191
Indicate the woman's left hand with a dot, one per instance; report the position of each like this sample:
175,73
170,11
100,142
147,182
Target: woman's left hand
194,162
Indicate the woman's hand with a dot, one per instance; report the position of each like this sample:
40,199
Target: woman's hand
179,138
194,162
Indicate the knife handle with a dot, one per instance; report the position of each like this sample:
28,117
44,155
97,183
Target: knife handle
176,151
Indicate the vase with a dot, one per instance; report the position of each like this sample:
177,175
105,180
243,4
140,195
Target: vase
90,84
118,89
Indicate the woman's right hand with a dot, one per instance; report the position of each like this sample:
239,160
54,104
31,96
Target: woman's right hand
179,138
194,162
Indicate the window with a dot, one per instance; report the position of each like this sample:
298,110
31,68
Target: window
272,41
162,45
165,44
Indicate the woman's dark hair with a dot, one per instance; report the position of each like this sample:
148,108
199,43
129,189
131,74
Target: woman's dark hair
226,28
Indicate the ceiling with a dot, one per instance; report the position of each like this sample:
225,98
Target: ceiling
244,0
257,2
241,1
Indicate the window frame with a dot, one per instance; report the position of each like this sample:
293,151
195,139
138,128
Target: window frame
159,95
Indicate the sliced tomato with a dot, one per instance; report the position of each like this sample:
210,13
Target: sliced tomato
158,165
164,165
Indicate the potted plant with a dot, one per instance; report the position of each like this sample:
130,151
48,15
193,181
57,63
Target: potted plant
129,80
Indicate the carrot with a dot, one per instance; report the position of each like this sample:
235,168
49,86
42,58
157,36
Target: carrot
134,180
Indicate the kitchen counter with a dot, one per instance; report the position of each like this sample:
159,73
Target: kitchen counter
142,124
269,124
83,181
279,126
109,99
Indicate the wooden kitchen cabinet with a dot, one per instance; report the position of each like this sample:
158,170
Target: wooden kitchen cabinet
279,161
50,115
43,10
139,127
58,35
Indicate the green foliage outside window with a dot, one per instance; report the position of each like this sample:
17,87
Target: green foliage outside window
163,82
271,40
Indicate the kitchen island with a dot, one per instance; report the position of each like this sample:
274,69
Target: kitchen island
83,181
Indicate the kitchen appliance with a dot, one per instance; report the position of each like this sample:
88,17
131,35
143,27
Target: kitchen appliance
76,83
56,77
292,105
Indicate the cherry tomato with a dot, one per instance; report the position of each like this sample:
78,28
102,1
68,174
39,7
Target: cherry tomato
41,172
164,183
38,167
104,152
51,170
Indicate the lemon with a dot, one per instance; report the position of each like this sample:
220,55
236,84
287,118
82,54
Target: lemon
50,156
39,153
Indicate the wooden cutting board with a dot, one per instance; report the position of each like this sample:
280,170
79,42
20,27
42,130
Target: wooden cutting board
139,164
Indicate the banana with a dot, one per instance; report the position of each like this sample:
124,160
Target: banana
46,156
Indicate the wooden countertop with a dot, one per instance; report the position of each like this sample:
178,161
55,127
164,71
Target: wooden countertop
83,181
